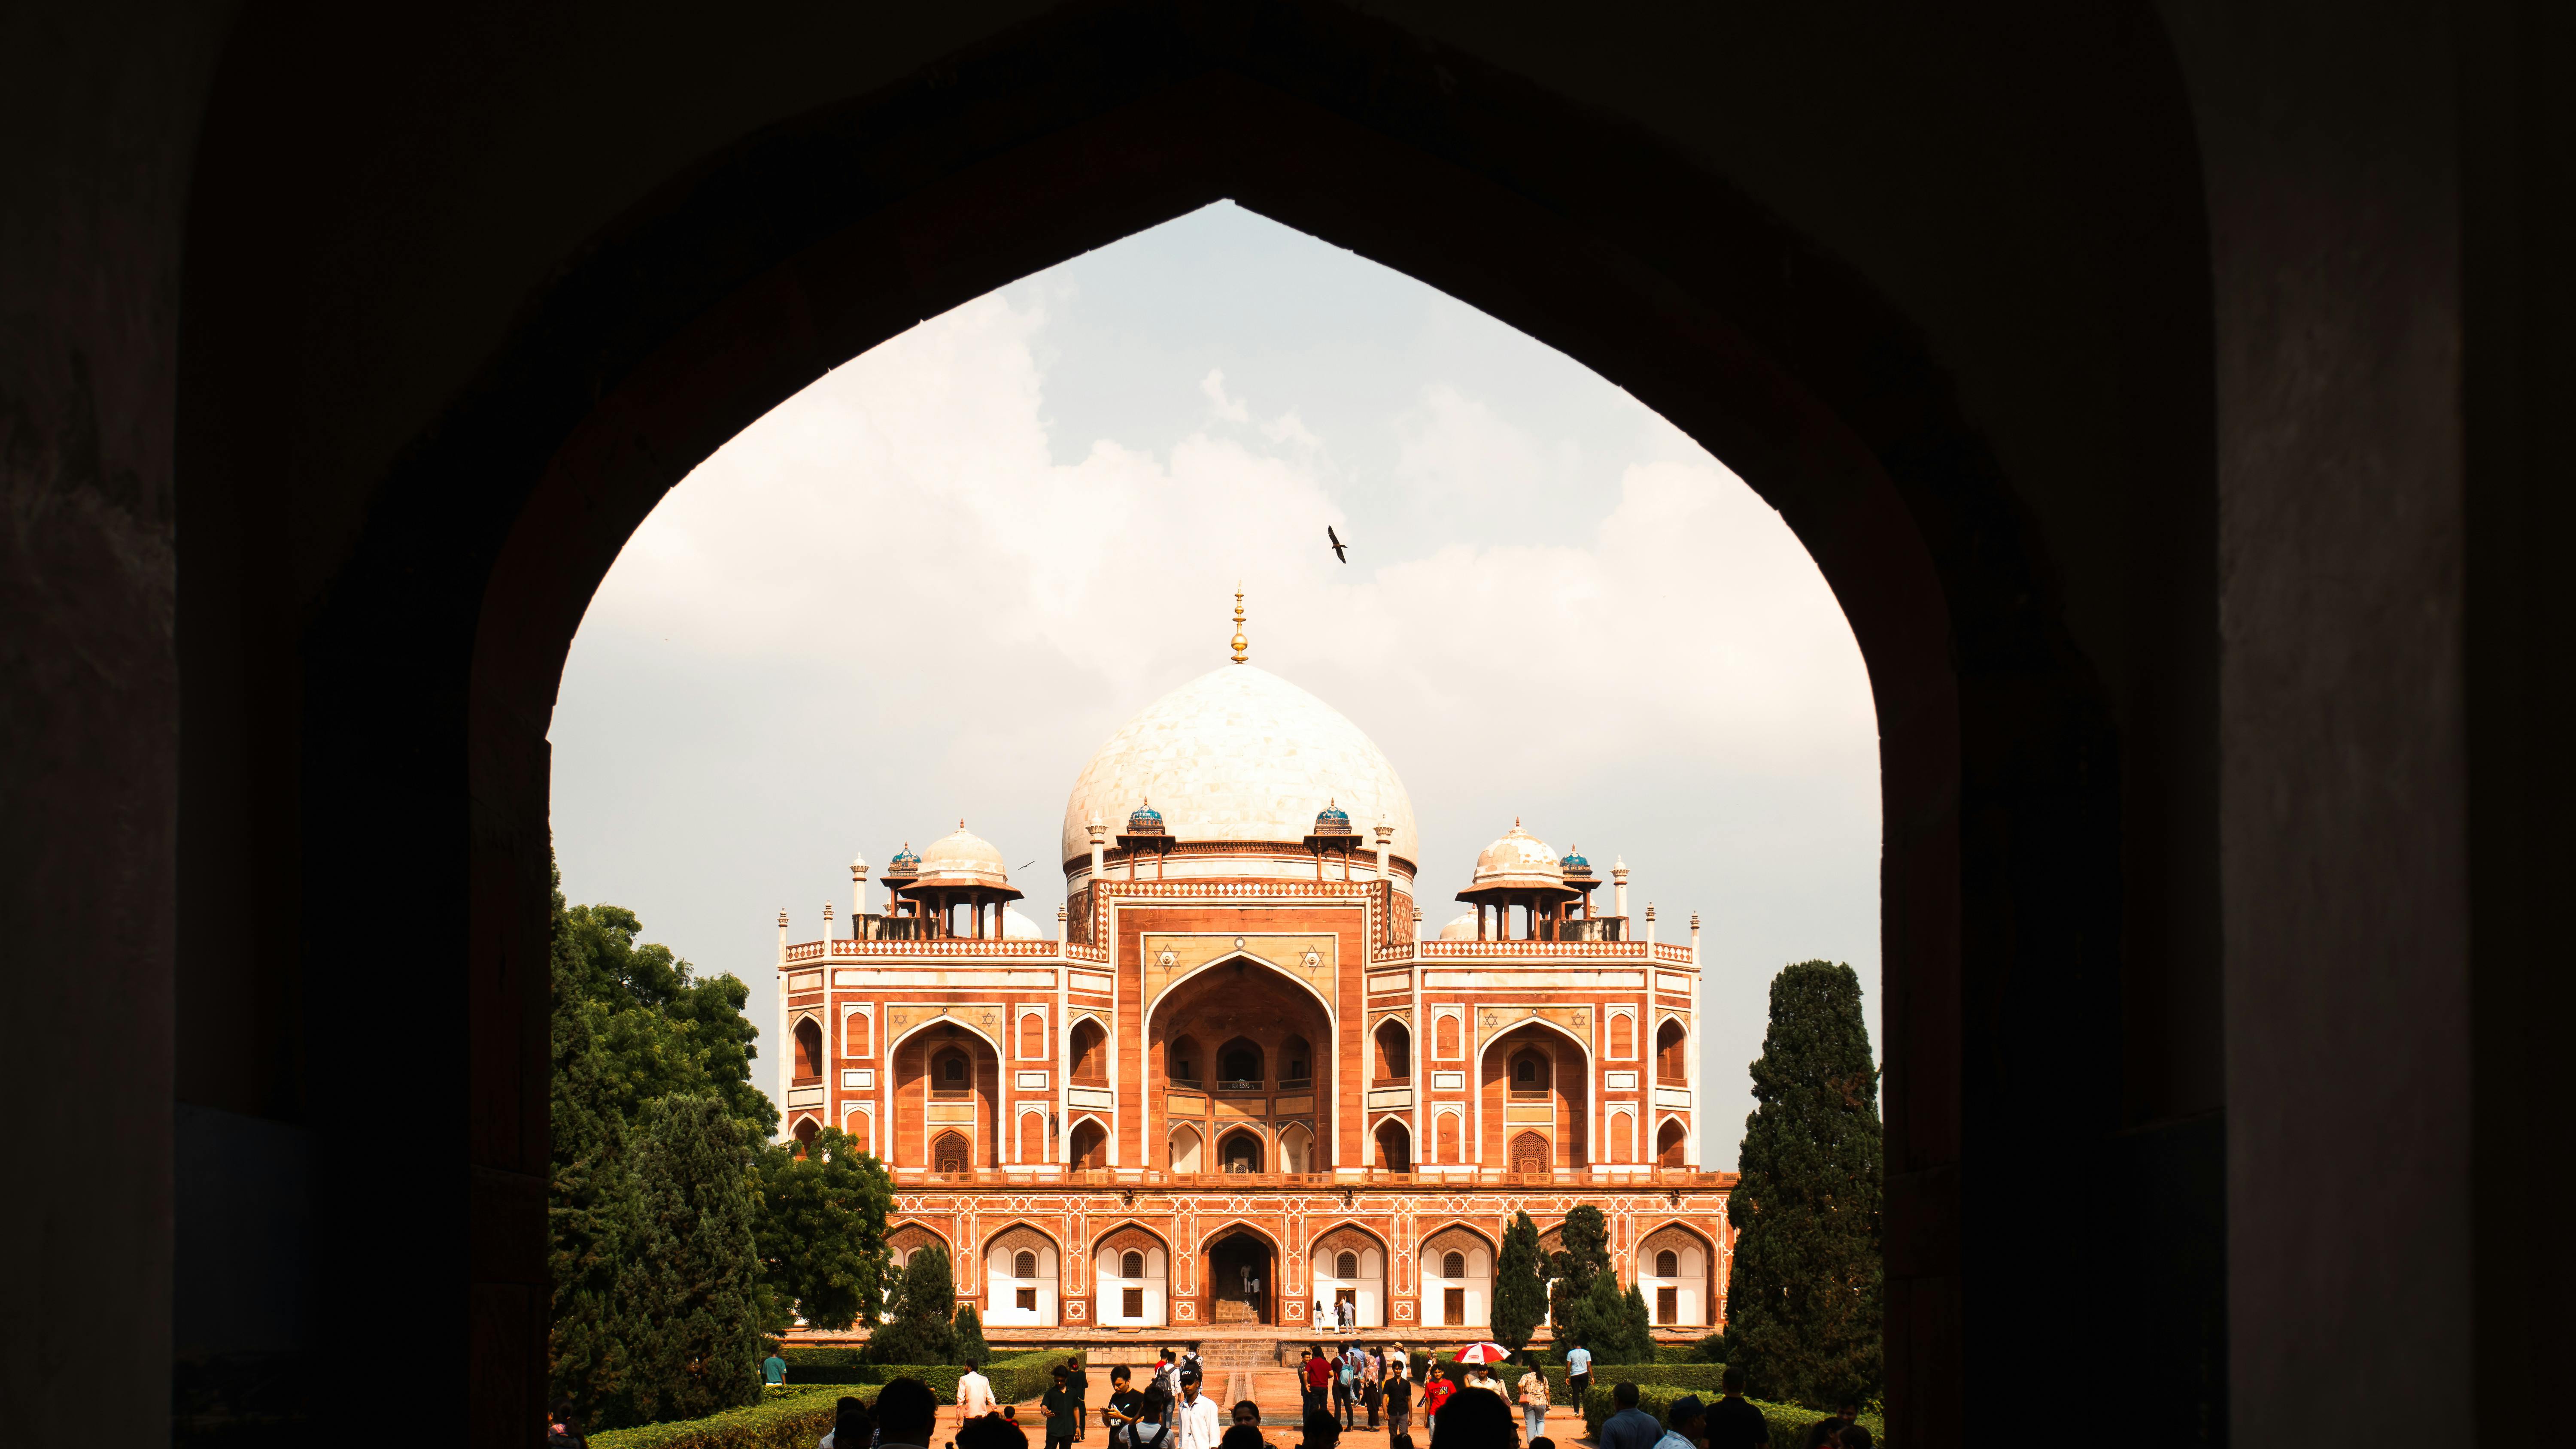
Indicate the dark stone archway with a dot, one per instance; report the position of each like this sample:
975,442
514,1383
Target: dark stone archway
425,658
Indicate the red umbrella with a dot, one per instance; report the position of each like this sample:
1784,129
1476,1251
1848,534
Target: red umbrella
1483,1353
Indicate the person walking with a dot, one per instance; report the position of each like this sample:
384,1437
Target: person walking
1532,1394
1372,1385
1196,1424
1077,1379
1316,1373
974,1394
773,1370
1435,1397
1124,1408
1398,1390
1733,1423
1578,1372
1346,1380
1060,1408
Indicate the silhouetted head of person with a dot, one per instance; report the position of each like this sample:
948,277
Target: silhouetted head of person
905,1409
1624,1395
1475,1419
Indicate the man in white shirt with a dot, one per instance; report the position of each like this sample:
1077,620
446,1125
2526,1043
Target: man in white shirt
1196,1424
974,1395
1578,1372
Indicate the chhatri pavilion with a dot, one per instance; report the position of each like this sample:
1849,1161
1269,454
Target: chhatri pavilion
1238,1085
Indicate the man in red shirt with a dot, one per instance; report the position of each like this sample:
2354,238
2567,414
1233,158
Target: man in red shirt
1434,1394
1319,1379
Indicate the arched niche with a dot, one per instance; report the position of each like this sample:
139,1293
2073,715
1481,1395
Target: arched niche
1676,1273
1130,1269
1348,1265
1456,1266
1021,1271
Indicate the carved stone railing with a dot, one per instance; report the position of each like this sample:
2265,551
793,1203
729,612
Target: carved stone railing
1490,1180
1553,950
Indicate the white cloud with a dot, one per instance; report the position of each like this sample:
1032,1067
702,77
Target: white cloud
885,603
1230,409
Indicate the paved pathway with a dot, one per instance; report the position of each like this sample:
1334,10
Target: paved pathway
1275,1390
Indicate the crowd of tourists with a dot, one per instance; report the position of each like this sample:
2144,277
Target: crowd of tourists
1170,1410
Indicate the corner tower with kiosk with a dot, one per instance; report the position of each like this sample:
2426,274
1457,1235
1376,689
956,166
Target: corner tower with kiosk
1237,1086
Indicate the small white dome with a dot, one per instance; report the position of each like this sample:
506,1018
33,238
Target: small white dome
1518,856
964,854
1461,929
1017,927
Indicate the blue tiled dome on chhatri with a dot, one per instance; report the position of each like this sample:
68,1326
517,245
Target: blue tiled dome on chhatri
904,862
1574,863
1145,820
1332,819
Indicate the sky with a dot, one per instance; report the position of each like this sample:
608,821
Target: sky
929,586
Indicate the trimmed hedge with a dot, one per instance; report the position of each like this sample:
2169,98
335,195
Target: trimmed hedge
798,1413
1788,1421
1017,1378
790,1418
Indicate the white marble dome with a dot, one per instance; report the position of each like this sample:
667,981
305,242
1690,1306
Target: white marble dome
1240,754
963,854
1463,928
1017,927
1518,856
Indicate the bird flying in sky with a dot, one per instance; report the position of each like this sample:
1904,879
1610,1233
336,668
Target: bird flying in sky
1338,545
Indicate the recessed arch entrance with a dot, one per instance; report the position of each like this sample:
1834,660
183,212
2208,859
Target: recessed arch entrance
1242,1283
1243,1032
668,332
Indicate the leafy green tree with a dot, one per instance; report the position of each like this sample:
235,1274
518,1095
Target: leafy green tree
661,1028
971,1347
821,1232
590,1219
1803,1304
693,1281
919,1330
1583,1254
1520,1293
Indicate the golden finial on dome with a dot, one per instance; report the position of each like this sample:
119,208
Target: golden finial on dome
1240,643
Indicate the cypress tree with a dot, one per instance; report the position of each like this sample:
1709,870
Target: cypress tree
1520,1294
971,1347
1584,1255
694,1280
590,1218
1611,1322
919,1331
1803,1302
